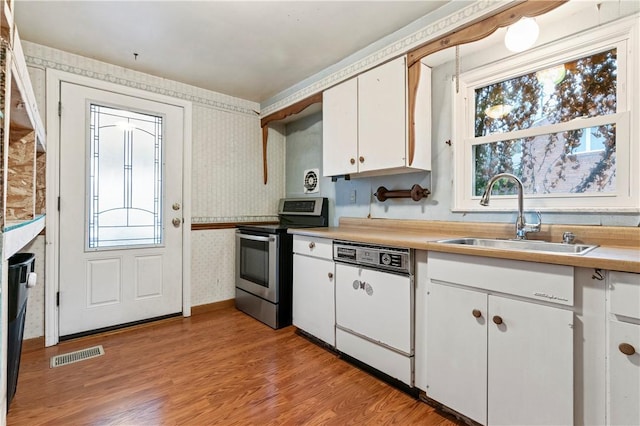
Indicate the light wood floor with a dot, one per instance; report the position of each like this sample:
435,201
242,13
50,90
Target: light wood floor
221,367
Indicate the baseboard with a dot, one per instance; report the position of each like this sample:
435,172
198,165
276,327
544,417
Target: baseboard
33,343
210,307
38,342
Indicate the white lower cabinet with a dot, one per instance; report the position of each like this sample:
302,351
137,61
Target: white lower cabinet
497,359
530,364
314,289
624,349
624,371
457,350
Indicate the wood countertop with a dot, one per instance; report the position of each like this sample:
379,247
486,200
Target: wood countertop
619,247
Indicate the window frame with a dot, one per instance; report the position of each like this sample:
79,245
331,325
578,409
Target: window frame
622,35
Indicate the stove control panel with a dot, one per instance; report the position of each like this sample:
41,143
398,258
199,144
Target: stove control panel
389,258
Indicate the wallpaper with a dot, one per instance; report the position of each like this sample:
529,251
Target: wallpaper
226,175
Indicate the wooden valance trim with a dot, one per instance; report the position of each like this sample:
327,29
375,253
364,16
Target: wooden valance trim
296,108
470,33
265,136
413,77
479,30
225,225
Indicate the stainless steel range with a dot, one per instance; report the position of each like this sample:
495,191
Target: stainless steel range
264,260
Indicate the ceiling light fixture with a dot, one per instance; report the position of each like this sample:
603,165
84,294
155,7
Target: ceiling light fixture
521,35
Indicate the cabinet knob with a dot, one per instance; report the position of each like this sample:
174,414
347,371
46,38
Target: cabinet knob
361,159
497,319
476,313
330,275
627,349
312,245
352,161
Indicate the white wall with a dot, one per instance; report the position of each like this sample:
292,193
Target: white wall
226,175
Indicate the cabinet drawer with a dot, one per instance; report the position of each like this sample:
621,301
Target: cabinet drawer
539,281
312,246
625,293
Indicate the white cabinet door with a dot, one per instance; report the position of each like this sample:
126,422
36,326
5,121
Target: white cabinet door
382,120
313,297
376,305
340,129
457,349
530,364
624,385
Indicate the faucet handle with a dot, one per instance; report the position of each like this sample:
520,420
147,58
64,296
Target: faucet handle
534,227
568,237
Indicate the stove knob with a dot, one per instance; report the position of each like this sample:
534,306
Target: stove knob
386,259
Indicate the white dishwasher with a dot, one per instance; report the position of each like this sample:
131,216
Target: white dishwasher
375,307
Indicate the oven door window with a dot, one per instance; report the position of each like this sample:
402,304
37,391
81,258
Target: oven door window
254,261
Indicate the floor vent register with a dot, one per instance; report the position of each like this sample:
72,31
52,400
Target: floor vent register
81,355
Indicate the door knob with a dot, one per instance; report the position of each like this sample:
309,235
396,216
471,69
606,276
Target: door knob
176,206
361,159
330,275
476,313
352,161
176,221
497,319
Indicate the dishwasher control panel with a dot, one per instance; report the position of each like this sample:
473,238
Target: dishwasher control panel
389,258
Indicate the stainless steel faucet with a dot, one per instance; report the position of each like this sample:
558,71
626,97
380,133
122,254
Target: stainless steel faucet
522,228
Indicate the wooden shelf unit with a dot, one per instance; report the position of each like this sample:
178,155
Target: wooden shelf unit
23,138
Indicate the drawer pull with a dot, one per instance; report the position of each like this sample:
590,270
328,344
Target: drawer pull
627,349
312,245
497,319
476,313
330,275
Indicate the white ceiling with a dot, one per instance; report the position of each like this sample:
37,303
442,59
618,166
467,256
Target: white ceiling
248,49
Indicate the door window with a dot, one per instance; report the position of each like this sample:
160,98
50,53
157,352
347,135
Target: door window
125,178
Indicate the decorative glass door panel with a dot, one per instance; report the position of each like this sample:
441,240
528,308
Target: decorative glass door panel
125,178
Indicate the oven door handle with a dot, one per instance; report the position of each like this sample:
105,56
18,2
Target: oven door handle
256,238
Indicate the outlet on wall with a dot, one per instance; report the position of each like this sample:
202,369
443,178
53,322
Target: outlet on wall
352,196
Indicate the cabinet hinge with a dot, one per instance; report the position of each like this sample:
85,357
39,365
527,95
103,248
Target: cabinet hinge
58,298
59,109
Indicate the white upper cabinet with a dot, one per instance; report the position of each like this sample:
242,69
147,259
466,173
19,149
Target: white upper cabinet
340,129
382,117
365,124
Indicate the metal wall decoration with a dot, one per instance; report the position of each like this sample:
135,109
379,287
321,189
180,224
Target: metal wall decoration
416,193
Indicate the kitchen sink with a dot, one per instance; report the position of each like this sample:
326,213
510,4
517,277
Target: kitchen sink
522,245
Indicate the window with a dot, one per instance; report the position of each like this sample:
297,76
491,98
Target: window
559,119
125,178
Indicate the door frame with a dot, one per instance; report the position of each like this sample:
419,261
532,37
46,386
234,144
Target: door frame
52,220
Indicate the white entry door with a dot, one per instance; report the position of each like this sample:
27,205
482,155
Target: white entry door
120,205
